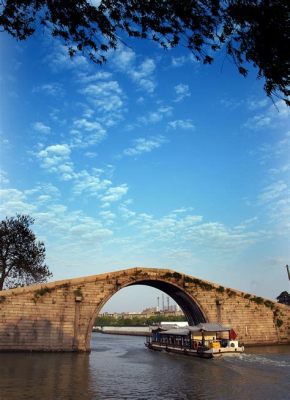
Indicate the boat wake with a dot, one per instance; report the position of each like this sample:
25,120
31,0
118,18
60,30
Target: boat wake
262,360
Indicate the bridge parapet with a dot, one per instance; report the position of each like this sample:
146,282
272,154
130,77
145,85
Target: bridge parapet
59,316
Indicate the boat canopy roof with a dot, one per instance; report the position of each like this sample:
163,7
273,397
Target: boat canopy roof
202,327
176,332
209,327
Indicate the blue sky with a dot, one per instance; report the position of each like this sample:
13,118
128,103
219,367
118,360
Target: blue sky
150,160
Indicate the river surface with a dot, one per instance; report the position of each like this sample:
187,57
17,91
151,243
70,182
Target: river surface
120,367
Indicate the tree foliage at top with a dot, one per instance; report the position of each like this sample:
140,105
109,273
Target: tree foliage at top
284,298
21,256
255,32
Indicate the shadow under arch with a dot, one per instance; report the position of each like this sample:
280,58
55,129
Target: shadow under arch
188,305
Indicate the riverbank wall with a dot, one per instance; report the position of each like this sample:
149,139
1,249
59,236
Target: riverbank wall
123,330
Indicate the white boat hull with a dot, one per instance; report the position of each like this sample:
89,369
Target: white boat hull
202,353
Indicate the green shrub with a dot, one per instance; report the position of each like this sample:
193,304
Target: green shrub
279,322
78,292
257,300
230,292
188,279
175,275
269,303
41,292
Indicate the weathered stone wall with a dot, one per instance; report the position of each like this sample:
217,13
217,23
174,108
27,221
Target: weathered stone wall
59,316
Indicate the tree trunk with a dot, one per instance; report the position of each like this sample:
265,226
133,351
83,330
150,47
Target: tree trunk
2,278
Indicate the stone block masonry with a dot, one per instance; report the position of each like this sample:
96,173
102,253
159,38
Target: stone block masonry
59,316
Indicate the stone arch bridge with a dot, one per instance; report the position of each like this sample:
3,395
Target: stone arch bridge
59,316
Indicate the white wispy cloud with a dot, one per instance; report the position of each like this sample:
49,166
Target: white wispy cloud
273,191
84,77
107,99
141,73
90,154
283,145
88,125
89,230
231,103
56,115
44,190
3,178
258,121
189,230
277,152
145,145
281,169
58,150
58,59
87,133
106,95
14,201
272,116
275,199
156,116
256,104
56,159
52,89
246,224
95,184
125,212
218,236
114,194
124,58
108,217
179,61
182,91
182,124
41,127
90,183
182,60
178,229
252,103
63,229
4,142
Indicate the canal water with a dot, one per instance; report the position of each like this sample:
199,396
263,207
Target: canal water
120,367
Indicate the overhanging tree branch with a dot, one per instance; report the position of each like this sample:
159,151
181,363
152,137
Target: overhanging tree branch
255,32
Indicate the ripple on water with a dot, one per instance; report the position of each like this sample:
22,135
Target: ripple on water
262,360
120,368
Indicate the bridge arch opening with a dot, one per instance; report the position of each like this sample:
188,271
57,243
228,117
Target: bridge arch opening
190,307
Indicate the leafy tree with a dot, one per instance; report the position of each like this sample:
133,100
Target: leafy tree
247,31
21,256
284,298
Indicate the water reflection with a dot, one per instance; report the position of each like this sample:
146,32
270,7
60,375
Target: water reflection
45,376
120,367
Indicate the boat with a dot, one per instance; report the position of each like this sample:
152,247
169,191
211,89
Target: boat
205,340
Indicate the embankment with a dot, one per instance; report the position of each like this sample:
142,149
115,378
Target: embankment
123,330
